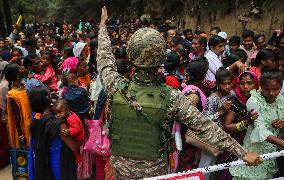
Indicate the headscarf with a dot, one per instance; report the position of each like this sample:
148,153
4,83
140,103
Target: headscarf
241,97
188,88
32,83
77,99
70,64
78,48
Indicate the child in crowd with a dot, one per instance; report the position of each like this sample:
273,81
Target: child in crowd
217,106
234,45
49,77
75,127
171,65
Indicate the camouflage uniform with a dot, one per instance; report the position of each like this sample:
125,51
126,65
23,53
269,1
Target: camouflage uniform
180,108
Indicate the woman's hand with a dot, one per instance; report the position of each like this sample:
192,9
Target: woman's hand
278,123
241,66
252,159
252,117
104,16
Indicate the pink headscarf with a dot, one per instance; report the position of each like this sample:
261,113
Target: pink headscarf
241,97
70,64
201,93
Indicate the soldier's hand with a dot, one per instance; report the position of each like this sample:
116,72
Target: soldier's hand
104,16
252,159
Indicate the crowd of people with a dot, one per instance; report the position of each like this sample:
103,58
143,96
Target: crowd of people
153,89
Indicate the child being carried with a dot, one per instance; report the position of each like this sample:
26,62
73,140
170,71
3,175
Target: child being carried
75,126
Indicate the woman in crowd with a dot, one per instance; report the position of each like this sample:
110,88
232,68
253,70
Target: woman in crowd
264,136
195,74
264,60
18,109
51,154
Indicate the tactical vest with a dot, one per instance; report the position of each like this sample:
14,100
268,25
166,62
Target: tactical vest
133,135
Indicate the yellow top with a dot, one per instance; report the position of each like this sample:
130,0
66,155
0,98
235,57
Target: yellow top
21,99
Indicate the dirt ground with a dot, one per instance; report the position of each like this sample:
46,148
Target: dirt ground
6,173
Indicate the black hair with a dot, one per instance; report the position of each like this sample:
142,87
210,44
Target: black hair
123,66
256,37
28,60
278,39
196,70
39,99
93,45
279,56
215,40
263,55
29,42
271,75
177,40
217,29
18,50
235,40
120,53
60,101
11,72
171,62
248,33
242,53
187,31
202,41
68,51
223,74
231,59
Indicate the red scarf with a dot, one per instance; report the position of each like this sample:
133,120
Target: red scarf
241,97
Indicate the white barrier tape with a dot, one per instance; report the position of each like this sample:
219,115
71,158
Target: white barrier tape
218,167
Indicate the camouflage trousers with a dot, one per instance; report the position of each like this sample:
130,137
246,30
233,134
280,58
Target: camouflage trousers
127,168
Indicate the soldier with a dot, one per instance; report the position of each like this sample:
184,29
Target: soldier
142,109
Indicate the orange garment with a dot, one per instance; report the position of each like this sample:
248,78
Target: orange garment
85,80
21,99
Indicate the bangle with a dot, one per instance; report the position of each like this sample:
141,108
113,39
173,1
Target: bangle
240,126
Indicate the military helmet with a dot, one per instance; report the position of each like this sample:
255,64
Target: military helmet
146,48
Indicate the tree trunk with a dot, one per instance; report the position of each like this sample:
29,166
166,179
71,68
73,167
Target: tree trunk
2,26
8,17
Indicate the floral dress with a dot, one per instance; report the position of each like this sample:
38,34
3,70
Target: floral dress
214,103
255,139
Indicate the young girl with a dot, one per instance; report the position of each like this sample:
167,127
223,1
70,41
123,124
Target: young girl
171,65
75,127
217,106
264,136
219,103
49,77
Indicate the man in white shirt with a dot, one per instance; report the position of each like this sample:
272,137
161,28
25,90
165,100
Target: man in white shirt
214,56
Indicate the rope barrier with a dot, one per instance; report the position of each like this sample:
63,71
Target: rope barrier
217,167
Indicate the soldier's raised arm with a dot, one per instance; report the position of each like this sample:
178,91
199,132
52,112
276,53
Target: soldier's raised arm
107,69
